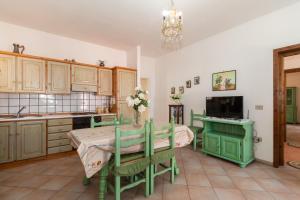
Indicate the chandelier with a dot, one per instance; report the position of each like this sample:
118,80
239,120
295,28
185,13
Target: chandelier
171,29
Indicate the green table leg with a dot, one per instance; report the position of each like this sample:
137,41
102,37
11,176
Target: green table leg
176,168
103,173
86,181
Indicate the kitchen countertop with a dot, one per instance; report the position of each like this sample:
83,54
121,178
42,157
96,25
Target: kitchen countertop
51,116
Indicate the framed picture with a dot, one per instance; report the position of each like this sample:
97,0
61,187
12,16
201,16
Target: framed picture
197,80
181,89
223,81
173,90
188,84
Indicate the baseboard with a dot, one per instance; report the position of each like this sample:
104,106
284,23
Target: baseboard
264,162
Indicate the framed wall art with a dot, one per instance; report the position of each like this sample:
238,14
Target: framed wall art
173,90
196,80
188,84
222,81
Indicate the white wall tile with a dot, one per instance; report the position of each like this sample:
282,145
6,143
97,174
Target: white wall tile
3,110
33,96
34,109
73,102
42,109
58,97
15,96
50,109
24,102
14,102
73,108
66,108
51,102
59,109
3,102
24,96
59,102
42,102
3,95
66,102
13,110
34,102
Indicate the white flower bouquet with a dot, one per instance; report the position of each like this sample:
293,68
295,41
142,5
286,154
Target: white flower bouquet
176,98
139,101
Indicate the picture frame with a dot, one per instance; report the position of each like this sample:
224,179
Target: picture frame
181,89
188,84
196,80
173,90
223,81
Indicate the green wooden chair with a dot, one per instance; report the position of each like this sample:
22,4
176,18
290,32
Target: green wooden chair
197,130
124,120
162,155
104,123
129,165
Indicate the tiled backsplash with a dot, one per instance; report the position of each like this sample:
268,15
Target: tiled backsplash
42,103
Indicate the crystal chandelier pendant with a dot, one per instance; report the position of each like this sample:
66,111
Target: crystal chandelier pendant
171,28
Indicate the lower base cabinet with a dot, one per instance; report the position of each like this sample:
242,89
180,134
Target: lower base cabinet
7,142
31,139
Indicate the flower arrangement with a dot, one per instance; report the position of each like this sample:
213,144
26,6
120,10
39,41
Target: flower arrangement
139,103
176,97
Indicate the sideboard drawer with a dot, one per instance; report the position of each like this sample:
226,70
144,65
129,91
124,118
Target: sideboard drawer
108,118
59,122
57,136
55,143
57,129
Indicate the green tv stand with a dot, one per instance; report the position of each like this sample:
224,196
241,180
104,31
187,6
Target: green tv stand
228,139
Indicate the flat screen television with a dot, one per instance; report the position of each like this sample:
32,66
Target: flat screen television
225,107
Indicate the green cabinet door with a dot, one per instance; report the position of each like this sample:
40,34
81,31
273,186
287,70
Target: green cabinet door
7,142
212,143
31,139
231,148
291,105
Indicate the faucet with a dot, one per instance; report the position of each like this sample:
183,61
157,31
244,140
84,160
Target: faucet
19,112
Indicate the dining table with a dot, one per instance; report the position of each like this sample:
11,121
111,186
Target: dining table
95,147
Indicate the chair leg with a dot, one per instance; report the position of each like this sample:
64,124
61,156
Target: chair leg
86,181
103,182
117,188
195,141
152,172
172,176
147,190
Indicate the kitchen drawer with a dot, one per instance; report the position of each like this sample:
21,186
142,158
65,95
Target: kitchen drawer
59,122
55,143
84,88
59,149
57,136
108,118
57,129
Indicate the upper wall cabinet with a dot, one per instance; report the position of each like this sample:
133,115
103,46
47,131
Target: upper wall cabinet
7,73
58,78
30,75
105,82
126,83
84,78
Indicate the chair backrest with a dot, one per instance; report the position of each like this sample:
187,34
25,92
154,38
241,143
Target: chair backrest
195,117
134,137
124,120
104,123
167,132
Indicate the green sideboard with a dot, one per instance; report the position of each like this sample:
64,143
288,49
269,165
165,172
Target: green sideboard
228,139
291,105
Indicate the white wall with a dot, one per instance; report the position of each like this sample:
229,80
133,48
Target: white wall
49,45
248,49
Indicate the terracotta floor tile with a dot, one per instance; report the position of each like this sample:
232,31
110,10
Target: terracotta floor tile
239,172
35,181
202,193
272,185
56,183
229,194
246,183
257,195
15,194
285,196
5,189
257,173
175,192
221,182
197,179
294,186
218,171
75,185
39,195
64,195
15,180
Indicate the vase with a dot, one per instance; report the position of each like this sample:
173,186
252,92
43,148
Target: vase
137,119
176,101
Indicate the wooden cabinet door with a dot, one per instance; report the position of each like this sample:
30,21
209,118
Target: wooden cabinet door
7,142
126,84
128,112
84,75
7,73
105,82
31,139
58,78
31,75
212,144
231,148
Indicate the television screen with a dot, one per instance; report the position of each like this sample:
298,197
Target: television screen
225,107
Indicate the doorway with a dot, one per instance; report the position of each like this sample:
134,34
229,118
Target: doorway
279,92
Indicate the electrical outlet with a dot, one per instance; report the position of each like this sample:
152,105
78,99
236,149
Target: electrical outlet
257,139
259,107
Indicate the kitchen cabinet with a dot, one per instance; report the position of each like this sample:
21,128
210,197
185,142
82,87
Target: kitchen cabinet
7,73
126,83
105,82
128,112
58,140
58,78
84,78
31,139
31,75
7,142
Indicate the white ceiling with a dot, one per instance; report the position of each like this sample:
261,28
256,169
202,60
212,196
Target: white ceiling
123,24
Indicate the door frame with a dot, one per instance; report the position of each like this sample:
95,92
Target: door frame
279,101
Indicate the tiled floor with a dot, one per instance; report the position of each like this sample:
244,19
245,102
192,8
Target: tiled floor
201,178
